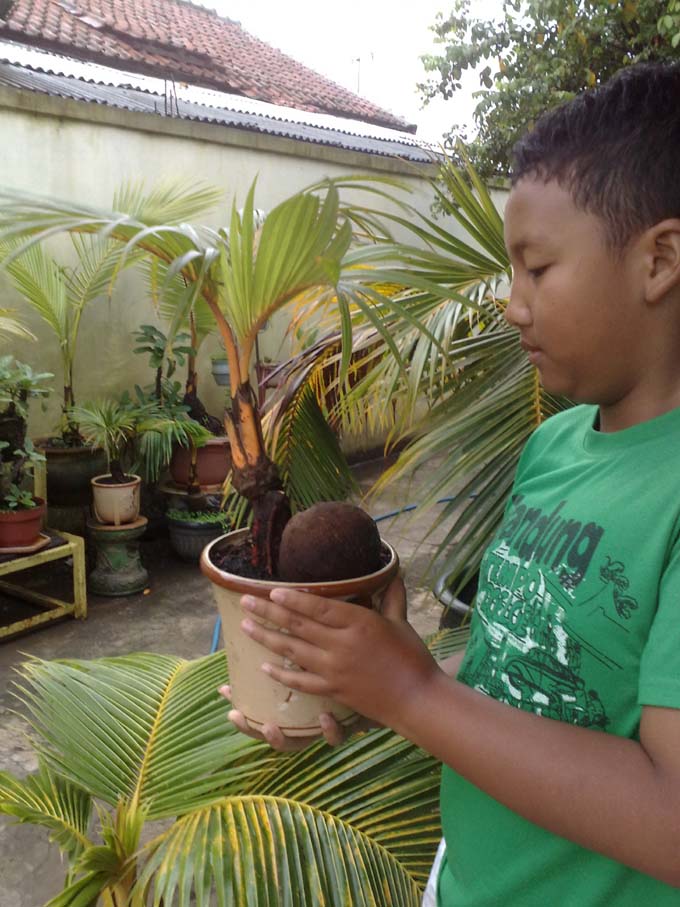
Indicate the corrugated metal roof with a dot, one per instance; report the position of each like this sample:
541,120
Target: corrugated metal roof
58,76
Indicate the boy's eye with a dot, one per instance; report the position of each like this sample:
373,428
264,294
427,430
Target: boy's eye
537,272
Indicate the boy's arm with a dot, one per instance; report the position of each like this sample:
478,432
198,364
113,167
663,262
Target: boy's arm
606,793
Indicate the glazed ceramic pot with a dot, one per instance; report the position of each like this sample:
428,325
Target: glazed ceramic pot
188,538
69,472
116,502
262,699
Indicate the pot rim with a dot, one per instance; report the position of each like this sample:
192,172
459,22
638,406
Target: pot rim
366,584
136,480
24,513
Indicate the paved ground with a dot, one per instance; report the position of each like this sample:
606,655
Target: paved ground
177,616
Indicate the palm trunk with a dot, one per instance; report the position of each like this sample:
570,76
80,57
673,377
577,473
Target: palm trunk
257,478
70,434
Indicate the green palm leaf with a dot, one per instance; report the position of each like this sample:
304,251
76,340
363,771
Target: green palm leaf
145,726
53,802
40,281
148,735
10,326
304,447
297,856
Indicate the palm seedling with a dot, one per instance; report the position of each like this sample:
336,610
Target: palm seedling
144,741
60,293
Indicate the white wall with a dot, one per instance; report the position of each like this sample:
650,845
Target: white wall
83,152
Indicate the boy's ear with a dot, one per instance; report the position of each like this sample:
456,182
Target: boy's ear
662,259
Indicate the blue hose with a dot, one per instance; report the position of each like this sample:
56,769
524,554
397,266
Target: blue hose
377,519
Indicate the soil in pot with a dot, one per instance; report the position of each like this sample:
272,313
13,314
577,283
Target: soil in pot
330,541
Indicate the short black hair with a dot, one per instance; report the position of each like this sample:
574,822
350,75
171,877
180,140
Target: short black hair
615,148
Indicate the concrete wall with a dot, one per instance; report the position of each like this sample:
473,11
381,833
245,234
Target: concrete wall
83,152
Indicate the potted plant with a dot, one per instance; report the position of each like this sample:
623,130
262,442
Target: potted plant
244,274
220,369
21,513
134,435
191,530
192,466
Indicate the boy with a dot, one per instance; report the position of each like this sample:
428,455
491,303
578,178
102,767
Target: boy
560,737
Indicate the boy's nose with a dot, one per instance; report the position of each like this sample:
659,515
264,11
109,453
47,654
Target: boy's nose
517,311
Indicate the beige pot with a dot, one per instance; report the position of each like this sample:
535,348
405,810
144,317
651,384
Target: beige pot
115,503
261,699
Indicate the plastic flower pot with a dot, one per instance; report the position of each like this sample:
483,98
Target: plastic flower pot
262,699
21,528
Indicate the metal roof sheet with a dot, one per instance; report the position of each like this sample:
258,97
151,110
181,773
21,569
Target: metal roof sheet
28,69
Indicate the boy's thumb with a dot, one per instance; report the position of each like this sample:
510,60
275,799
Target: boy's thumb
393,605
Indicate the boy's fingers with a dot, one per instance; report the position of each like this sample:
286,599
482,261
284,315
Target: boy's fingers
334,733
239,721
393,605
327,611
295,650
225,691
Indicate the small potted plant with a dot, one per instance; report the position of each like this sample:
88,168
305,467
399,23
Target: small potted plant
192,466
134,435
191,530
21,513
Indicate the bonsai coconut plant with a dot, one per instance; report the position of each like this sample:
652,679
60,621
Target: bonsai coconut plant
243,274
21,513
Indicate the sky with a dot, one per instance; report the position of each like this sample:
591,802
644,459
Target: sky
371,47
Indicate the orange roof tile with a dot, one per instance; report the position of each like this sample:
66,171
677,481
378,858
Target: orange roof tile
175,39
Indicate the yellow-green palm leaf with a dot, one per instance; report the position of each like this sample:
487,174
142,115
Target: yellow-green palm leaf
149,736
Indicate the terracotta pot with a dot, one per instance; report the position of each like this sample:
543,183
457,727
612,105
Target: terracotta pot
261,699
21,528
69,472
115,503
212,464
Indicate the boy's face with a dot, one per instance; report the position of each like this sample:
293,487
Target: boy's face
578,309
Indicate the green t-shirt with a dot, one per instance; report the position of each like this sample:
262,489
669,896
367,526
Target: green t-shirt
578,620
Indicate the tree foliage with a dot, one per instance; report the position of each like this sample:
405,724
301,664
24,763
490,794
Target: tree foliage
538,54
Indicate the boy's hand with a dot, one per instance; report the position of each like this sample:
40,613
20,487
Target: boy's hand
371,662
333,732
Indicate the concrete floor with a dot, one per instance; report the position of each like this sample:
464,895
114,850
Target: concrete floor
175,616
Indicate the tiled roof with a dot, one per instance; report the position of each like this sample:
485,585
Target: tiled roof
175,39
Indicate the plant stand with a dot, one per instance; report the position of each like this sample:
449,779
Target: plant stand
50,609
119,569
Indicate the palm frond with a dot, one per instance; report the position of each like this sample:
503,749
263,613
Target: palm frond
257,851
11,326
475,435
39,279
304,447
51,801
148,735
144,726
166,203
